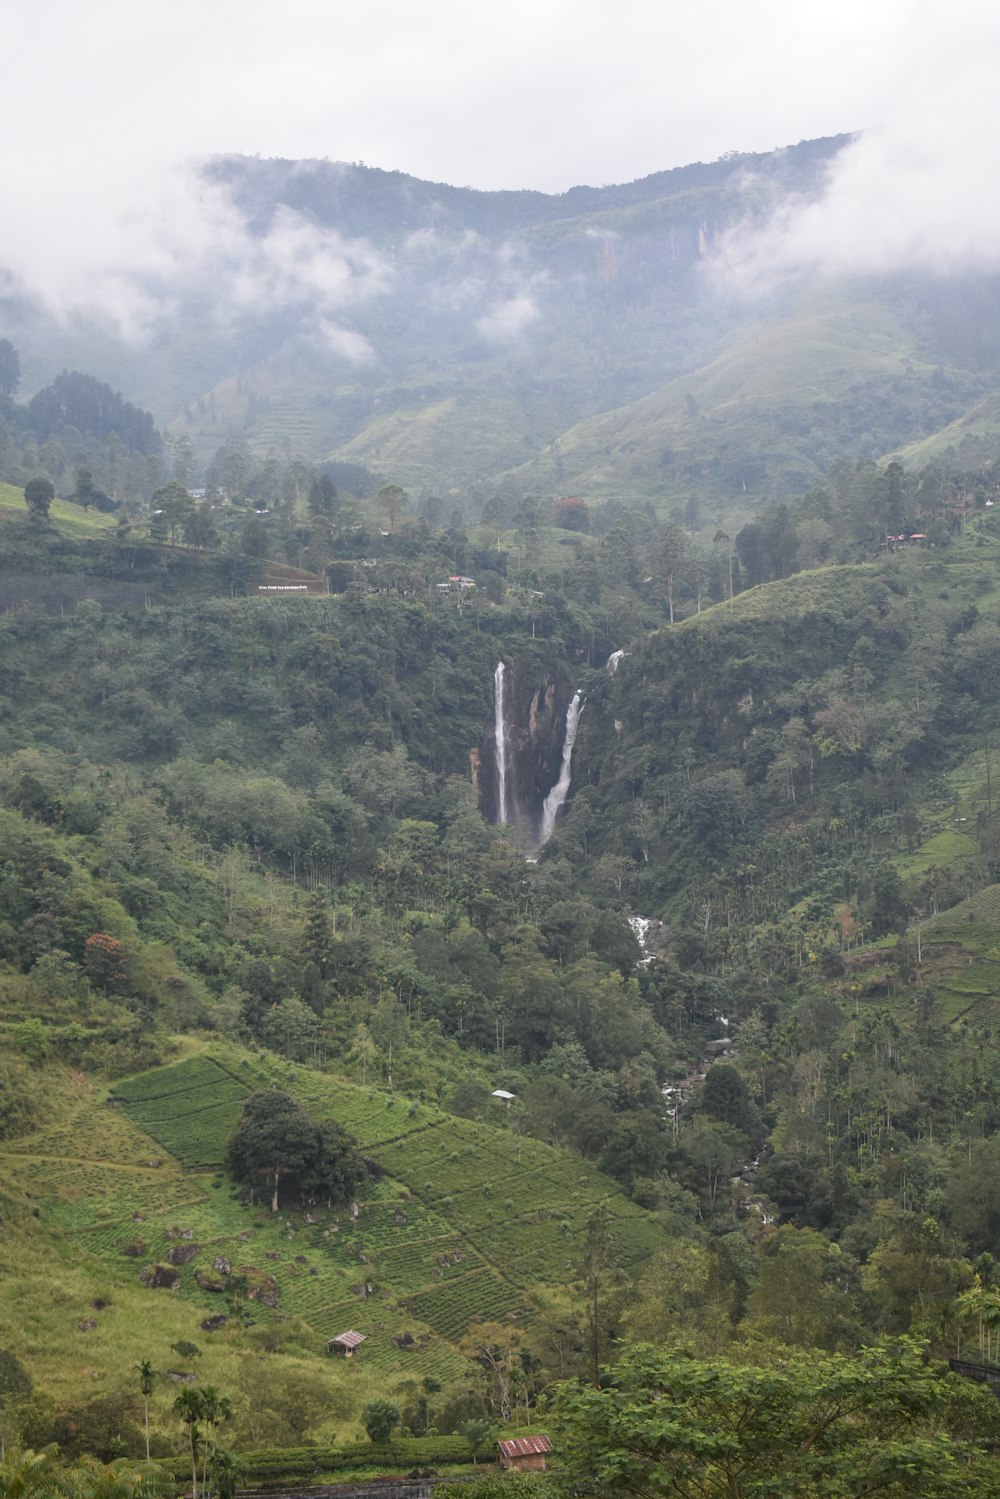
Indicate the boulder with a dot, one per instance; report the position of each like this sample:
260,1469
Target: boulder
261,1286
182,1254
160,1277
209,1282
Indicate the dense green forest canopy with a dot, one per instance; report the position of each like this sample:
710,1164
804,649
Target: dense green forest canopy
248,843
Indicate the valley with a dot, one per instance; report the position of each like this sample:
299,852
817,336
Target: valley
433,740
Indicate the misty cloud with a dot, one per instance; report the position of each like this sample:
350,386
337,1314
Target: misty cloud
506,322
95,252
914,192
181,235
298,261
345,342
100,221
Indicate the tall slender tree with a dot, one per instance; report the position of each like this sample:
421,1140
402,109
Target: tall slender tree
188,1406
147,1376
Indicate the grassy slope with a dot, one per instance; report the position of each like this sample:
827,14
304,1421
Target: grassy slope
66,516
780,384
470,1221
768,392
982,420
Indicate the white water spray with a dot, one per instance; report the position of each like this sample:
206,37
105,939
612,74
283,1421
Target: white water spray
614,659
559,792
501,742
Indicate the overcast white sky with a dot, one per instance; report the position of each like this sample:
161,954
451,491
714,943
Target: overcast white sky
488,93
104,100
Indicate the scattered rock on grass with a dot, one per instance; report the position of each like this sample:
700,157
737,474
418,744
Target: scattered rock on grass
160,1277
182,1254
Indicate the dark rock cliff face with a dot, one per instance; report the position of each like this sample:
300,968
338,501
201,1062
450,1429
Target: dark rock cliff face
535,716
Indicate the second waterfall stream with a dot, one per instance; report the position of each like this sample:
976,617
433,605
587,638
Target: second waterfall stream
556,797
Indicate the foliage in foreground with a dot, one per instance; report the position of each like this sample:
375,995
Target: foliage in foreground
884,1422
41,1475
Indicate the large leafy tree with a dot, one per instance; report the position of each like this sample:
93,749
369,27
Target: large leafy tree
666,1424
38,496
93,408
380,1418
276,1139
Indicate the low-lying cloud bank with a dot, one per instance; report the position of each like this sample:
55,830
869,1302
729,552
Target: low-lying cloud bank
131,264
914,193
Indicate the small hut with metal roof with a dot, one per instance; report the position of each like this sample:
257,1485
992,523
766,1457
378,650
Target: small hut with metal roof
524,1454
345,1342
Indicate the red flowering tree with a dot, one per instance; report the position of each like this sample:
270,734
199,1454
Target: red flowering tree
104,961
572,515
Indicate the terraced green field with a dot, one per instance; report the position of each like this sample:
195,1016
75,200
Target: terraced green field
469,1222
963,957
190,1109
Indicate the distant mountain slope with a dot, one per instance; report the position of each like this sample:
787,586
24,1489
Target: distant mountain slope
782,399
600,340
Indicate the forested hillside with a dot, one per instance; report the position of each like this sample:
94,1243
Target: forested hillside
729,955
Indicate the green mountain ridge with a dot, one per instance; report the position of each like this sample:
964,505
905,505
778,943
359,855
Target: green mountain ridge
600,342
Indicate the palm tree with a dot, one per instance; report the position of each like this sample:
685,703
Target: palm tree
146,1377
215,1409
90,1479
29,1475
225,1470
188,1406
37,1475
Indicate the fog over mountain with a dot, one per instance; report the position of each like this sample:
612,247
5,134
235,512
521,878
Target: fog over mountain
108,211
711,330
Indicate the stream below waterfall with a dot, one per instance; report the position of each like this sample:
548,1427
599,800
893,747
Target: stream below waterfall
650,937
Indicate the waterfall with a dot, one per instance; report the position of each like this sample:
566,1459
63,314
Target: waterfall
501,742
614,659
559,792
